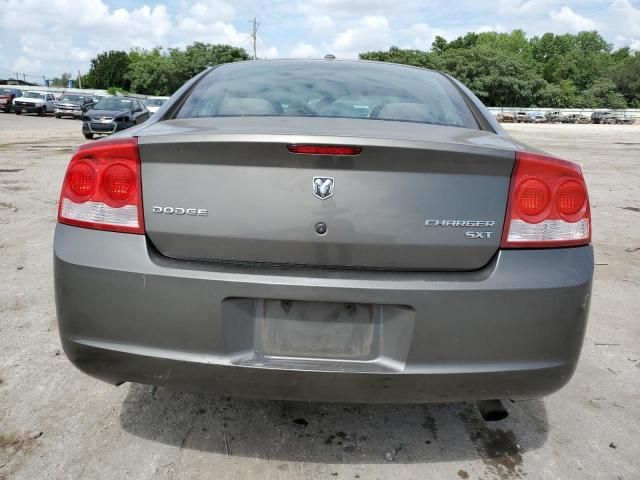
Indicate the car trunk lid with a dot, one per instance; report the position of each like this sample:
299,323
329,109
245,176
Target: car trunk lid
418,197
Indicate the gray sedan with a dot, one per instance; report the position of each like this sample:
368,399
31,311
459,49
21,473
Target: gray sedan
324,230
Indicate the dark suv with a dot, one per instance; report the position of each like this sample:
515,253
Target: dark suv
73,105
6,98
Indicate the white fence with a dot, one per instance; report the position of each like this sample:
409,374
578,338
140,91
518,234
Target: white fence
61,90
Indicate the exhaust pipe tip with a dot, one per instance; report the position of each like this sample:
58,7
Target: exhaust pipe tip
492,410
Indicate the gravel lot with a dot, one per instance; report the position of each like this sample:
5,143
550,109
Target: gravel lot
58,423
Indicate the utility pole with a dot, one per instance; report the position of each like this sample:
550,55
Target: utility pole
254,36
79,80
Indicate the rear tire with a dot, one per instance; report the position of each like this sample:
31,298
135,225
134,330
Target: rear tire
88,136
57,116
18,112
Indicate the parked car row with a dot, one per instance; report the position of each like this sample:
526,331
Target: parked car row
597,117
44,103
101,115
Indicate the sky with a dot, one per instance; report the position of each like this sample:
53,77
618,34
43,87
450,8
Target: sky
44,38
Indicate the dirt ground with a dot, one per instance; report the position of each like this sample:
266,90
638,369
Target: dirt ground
55,422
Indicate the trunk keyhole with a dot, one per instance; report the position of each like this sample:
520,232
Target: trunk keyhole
321,228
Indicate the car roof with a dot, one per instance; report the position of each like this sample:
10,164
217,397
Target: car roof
276,61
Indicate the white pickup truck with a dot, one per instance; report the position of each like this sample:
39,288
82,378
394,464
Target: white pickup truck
34,102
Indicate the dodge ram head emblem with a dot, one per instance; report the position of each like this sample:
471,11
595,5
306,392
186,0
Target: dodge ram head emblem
323,187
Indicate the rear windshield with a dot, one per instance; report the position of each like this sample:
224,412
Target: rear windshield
113,103
328,89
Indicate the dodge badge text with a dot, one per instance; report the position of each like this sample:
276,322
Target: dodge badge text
200,212
465,223
459,223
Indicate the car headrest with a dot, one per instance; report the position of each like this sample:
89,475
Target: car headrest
411,112
246,106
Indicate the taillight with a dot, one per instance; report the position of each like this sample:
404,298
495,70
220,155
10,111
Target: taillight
548,204
324,149
102,187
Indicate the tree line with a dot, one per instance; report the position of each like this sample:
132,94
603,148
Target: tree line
508,69
156,71
502,69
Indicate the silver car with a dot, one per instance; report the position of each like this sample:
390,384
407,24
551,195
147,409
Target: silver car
324,230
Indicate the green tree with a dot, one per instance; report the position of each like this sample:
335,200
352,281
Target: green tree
562,95
158,72
417,58
626,76
470,40
582,58
439,45
508,69
602,94
497,78
150,72
515,43
199,56
108,69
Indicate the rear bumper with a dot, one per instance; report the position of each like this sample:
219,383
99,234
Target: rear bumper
511,330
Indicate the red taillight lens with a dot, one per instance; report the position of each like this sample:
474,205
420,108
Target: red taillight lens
324,149
532,197
118,183
548,204
81,179
571,197
102,187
